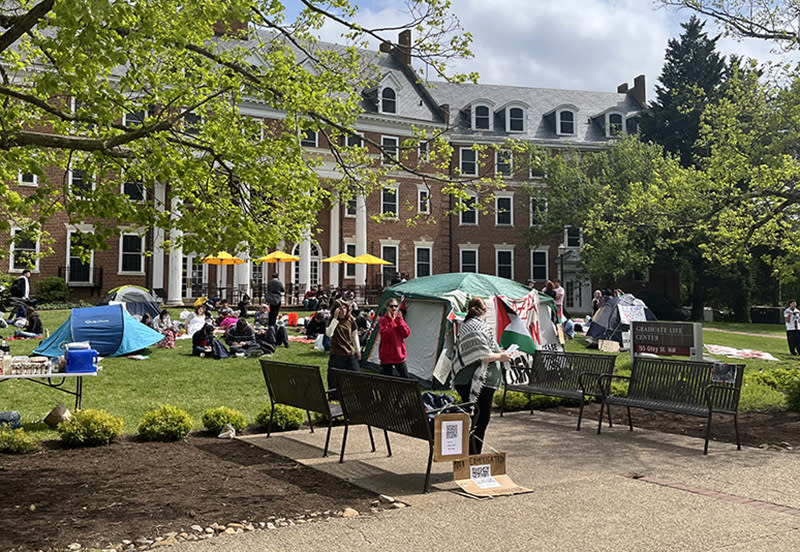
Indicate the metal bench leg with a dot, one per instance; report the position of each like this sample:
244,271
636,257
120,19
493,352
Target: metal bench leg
708,432
630,421
736,429
388,446
503,404
371,439
530,402
271,415
344,442
427,487
580,414
310,424
600,421
328,437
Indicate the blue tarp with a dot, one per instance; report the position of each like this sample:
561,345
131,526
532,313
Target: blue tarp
109,329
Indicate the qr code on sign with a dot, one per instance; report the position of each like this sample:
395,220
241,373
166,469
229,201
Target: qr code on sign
481,472
451,431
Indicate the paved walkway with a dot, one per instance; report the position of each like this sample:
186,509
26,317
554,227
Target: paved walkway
619,491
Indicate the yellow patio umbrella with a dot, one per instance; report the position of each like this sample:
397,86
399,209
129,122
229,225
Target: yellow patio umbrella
340,259
222,258
368,259
277,257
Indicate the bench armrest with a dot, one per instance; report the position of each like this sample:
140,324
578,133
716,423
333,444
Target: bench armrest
604,383
730,388
594,377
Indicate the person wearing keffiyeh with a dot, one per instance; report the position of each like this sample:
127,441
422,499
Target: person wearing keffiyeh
477,372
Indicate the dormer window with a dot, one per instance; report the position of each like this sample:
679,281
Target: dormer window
515,121
632,125
388,100
481,117
565,122
614,125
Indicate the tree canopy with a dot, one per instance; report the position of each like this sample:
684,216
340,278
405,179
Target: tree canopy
155,91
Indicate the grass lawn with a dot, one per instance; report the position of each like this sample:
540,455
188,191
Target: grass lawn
129,388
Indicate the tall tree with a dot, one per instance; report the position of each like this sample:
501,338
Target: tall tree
148,91
690,79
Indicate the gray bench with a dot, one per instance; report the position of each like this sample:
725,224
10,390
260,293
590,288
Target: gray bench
559,374
389,403
681,386
301,387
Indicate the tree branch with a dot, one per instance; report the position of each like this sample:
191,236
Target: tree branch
25,23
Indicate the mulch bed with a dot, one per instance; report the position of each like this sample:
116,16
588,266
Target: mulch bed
133,490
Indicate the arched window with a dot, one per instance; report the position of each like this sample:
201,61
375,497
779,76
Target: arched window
516,119
614,125
481,119
566,122
388,100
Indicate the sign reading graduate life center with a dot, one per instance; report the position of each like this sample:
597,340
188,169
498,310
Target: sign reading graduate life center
667,338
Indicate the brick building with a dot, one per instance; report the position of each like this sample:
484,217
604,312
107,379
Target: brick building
466,115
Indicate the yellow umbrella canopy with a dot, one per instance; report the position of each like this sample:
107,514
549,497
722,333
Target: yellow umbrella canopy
340,258
222,258
368,259
277,257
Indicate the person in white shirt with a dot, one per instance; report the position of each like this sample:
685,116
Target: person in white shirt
792,317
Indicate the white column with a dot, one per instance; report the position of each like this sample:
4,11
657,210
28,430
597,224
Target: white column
175,262
334,234
305,261
241,273
361,237
159,201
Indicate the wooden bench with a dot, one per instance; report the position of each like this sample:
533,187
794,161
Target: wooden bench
301,387
680,386
559,374
389,403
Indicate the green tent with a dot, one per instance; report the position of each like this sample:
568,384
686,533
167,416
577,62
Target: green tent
431,299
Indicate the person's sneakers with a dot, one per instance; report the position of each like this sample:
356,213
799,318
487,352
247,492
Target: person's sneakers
240,355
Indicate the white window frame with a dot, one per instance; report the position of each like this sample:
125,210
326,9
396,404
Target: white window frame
498,159
140,236
464,248
11,255
566,237
474,117
546,253
524,119
424,151
382,99
423,190
126,114
70,282
303,137
474,209
531,201
125,181
349,268
428,247
357,136
622,129
21,182
503,249
396,189
191,128
559,114
347,203
510,198
384,247
390,143
472,152
91,177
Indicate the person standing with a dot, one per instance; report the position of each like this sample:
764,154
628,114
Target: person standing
21,288
559,298
477,370
275,292
345,346
792,317
393,331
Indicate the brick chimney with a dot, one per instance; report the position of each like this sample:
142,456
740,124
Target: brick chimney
639,91
403,50
622,88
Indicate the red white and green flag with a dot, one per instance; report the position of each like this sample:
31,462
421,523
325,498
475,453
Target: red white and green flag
511,329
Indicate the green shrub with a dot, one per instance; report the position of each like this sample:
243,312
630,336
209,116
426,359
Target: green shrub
17,441
757,397
516,400
52,289
286,418
89,428
167,423
214,419
782,379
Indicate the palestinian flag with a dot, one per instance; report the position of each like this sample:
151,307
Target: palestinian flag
511,328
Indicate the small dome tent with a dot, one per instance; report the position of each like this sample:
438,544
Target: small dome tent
109,329
608,322
137,300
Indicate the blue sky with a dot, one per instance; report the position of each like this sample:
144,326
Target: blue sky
574,44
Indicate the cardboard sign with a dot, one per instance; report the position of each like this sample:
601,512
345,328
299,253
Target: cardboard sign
484,475
450,437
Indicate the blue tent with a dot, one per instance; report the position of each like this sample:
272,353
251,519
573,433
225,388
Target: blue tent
109,329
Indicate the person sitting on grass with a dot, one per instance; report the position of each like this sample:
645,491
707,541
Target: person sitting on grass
262,316
241,339
202,341
164,325
226,320
33,325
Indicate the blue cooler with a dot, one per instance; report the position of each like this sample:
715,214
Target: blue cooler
82,360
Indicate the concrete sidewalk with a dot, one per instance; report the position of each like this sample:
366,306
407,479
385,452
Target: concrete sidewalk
620,491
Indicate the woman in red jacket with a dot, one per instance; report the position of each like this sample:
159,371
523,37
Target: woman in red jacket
392,350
